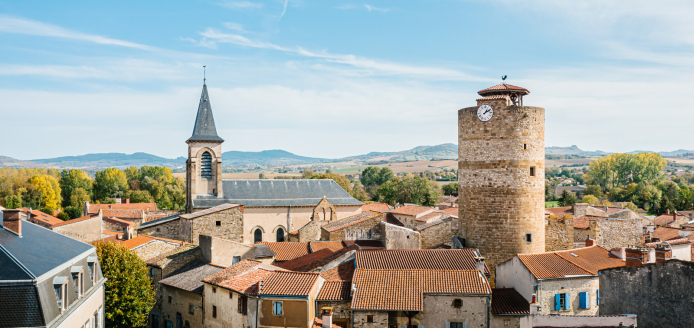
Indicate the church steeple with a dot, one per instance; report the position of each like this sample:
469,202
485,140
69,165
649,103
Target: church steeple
205,129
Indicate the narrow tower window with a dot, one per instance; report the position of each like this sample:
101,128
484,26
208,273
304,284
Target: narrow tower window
206,165
280,234
532,171
528,237
525,146
257,236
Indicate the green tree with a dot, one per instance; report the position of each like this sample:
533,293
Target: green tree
73,212
110,183
63,216
47,191
307,174
139,196
13,201
359,192
450,189
376,176
129,293
78,197
261,176
590,199
70,180
566,199
408,189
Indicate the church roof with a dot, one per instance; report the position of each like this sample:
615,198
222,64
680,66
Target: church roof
278,192
205,129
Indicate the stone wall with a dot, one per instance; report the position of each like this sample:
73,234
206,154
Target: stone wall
440,309
311,231
342,312
559,235
380,319
503,321
500,202
154,249
221,251
659,294
86,231
169,230
550,287
227,224
614,233
438,233
396,237
366,230
181,300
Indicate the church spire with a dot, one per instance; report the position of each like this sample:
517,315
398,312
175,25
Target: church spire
205,129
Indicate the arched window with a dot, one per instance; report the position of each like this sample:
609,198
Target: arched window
206,165
280,234
257,236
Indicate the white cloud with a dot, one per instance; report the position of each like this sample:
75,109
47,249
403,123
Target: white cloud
371,8
9,24
128,69
241,4
233,26
284,10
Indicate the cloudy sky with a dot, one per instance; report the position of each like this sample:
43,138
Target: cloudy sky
337,78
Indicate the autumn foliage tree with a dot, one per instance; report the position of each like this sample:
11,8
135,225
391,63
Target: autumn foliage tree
46,191
110,183
129,293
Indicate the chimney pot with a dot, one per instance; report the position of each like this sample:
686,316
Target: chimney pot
479,263
12,220
667,211
589,242
327,317
127,200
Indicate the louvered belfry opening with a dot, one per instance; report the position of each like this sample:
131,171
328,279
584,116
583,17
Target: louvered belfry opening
206,165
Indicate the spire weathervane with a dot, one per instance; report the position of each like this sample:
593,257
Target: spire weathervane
503,79
204,73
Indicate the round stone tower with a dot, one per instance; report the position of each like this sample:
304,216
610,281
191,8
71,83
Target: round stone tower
501,175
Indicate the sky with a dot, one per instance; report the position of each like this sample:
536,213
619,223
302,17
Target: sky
337,78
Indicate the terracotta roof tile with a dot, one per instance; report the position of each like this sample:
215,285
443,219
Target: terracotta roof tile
403,290
411,210
558,210
331,245
592,259
664,219
243,277
137,241
123,213
288,250
588,261
242,266
665,233
493,97
429,259
342,272
351,220
43,217
509,301
502,87
318,323
304,260
452,211
288,283
62,223
335,291
378,207
583,222
431,216
119,222
94,208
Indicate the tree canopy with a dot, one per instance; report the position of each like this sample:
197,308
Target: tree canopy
376,176
408,189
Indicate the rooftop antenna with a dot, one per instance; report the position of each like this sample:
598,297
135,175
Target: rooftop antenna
204,73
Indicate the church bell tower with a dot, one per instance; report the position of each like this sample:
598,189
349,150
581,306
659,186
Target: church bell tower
501,175
204,164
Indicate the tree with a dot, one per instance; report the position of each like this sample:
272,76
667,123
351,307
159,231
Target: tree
341,180
72,180
408,189
139,196
359,193
110,183
13,201
376,176
619,169
261,176
590,199
78,197
73,212
307,174
566,199
47,191
450,189
63,216
129,293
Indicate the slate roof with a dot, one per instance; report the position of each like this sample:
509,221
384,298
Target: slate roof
278,192
190,276
335,291
425,259
350,220
403,290
262,250
205,129
288,283
20,306
36,252
509,301
286,251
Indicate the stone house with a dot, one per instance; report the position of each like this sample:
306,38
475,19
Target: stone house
363,226
655,292
324,213
509,309
46,278
225,253
287,299
413,215
225,221
336,293
438,232
565,282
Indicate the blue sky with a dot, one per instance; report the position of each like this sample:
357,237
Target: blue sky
337,78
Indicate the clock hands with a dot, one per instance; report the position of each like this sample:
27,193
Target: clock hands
486,111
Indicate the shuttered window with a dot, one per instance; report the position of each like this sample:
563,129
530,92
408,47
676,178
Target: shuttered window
584,300
206,165
597,298
562,301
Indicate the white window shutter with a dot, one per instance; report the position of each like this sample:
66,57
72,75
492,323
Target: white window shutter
446,324
466,325
404,326
420,326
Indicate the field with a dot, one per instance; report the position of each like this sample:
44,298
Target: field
269,175
551,204
573,161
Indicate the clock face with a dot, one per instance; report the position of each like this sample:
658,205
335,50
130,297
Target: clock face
485,112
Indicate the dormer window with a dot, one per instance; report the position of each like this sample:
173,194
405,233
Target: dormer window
60,287
93,264
78,280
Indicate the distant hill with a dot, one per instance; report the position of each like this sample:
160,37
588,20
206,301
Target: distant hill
11,162
428,153
110,160
267,157
573,150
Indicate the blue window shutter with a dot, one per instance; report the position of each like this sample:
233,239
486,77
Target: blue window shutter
582,300
598,297
587,300
567,301
557,302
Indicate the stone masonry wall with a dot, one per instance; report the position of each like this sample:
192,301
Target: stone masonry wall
559,235
438,234
573,286
659,294
86,230
369,229
170,230
380,319
396,237
499,201
614,233
341,310
230,225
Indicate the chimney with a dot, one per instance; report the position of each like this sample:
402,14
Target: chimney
127,200
327,317
12,220
479,263
86,209
663,253
636,256
580,209
534,306
667,211
589,242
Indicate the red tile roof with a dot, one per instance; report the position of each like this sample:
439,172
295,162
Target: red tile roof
318,323
411,210
588,261
501,88
558,210
351,220
664,219
304,260
43,217
137,241
403,290
94,208
592,258
452,211
665,233
123,213
509,301
430,216
331,245
62,223
429,259
378,207
583,222
288,250
288,283
342,272
242,277
335,291
118,222
493,97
